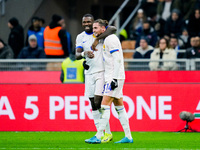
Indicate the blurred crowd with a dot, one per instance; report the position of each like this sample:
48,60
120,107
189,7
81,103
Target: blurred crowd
160,29
52,41
163,27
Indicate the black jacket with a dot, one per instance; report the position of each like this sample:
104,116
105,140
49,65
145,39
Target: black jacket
16,39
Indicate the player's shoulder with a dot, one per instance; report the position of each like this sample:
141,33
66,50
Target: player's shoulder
81,34
110,37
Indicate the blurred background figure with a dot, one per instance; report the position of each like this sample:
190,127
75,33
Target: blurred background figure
194,50
144,50
194,23
16,36
42,22
5,51
163,52
136,25
56,43
149,33
72,70
174,25
37,30
32,51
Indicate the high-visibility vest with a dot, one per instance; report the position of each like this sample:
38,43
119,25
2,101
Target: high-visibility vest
73,71
52,44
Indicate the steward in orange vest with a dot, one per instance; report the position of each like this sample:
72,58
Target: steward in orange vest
55,39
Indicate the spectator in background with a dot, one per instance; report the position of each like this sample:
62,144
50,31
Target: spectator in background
163,52
72,70
157,23
32,50
186,7
55,39
194,23
144,50
174,44
165,7
37,31
5,51
149,7
16,36
136,25
42,22
184,38
149,33
174,25
194,50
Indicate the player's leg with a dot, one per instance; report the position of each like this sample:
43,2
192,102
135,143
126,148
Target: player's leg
89,92
123,118
105,115
122,115
99,88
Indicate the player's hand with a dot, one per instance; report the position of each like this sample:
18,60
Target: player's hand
95,43
90,54
85,65
114,84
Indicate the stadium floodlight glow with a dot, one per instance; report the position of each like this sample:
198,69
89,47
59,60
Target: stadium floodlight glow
188,117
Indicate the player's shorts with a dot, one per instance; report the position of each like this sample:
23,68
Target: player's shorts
117,92
94,84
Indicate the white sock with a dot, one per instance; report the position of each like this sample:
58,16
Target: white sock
96,117
107,129
124,120
104,120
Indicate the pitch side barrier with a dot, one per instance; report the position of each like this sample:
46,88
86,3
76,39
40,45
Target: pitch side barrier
153,101
55,64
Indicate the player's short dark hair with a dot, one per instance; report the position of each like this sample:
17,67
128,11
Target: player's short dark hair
102,22
89,15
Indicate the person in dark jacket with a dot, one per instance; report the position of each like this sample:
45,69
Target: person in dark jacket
37,30
174,25
144,50
55,39
16,36
5,51
194,23
149,33
194,50
33,50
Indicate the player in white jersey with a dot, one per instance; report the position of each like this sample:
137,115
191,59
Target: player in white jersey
94,73
114,81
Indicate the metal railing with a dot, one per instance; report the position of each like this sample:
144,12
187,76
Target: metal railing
55,64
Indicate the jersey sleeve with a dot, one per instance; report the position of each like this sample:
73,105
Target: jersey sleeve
112,44
79,41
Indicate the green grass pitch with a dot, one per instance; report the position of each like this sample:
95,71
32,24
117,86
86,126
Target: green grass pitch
75,140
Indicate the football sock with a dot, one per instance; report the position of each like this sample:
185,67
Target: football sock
104,120
124,120
96,117
107,129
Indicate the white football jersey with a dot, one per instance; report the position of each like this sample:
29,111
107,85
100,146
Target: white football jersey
84,41
112,45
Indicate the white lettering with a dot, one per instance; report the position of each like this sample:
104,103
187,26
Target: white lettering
69,107
198,106
29,105
163,107
151,111
84,109
8,110
53,107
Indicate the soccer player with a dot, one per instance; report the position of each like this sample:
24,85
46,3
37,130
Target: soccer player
114,81
94,70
